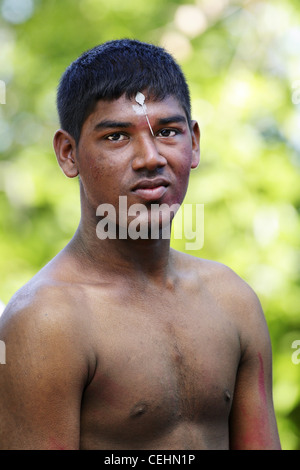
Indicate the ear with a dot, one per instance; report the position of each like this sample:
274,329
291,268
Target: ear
65,149
195,133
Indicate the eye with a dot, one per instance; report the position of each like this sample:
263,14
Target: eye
116,137
167,133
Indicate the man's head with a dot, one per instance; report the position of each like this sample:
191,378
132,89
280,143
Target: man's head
112,69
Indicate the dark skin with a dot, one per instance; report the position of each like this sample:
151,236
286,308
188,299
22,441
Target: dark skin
128,344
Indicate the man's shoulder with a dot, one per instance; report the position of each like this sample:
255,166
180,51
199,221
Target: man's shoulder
209,270
41,320
40,301
232,296
221,281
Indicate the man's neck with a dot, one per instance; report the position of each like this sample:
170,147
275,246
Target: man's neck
136,259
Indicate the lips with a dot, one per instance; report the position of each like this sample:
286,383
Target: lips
151,189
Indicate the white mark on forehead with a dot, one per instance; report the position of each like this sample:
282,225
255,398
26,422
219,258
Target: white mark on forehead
140,98
141,108
138,109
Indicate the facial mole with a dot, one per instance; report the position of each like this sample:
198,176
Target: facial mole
227,395
138,410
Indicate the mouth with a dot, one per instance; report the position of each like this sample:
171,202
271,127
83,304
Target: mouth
151,189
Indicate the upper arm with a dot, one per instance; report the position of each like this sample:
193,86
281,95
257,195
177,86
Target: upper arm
42,381
252,421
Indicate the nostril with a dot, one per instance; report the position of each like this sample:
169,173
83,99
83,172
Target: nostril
149,159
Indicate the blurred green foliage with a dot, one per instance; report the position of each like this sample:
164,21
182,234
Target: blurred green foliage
241,59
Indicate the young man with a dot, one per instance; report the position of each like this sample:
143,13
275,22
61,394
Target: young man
122,342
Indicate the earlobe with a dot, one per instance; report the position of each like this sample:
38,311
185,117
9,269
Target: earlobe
65,149
195,132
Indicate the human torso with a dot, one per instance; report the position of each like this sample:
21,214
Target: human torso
166,362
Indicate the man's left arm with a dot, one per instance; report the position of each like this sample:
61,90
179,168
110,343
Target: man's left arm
252,421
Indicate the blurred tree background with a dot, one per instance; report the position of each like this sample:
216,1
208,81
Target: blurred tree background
241,59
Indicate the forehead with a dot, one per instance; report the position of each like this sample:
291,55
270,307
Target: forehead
125,109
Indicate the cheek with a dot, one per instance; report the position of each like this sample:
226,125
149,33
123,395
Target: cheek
183,166
180,187
94,183
92,171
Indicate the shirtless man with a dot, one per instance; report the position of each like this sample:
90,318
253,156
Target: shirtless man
124,343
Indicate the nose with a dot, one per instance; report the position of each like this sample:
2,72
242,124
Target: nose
146,155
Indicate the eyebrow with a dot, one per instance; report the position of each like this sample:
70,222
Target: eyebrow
109,124
106,124
168,120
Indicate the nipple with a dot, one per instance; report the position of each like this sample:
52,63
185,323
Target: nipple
139,409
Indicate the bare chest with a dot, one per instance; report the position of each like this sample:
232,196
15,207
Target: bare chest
156,370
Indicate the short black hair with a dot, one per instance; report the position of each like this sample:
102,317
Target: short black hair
109,70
